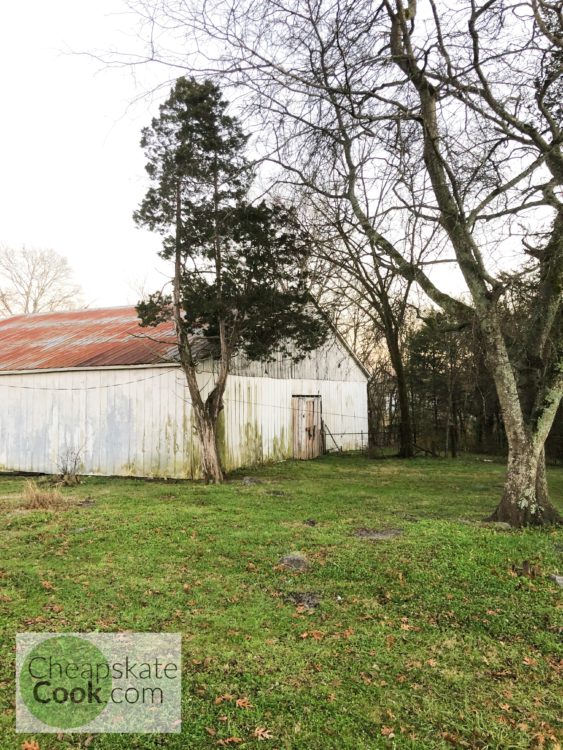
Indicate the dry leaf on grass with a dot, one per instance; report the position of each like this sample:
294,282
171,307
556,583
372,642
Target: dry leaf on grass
243,703
261,733
387,732
317,635
229,741
223,698
30,745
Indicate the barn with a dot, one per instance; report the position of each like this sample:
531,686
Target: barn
95,386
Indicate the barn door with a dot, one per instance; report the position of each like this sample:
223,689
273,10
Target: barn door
307,426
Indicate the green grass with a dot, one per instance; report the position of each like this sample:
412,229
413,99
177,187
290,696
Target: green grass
426,641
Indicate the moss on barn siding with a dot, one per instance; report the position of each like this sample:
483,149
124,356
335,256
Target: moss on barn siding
139,422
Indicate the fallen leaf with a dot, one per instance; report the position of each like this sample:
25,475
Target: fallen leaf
261,733
229,741
243,703
454,740
210,731
387,732
222,698
47,585
30,745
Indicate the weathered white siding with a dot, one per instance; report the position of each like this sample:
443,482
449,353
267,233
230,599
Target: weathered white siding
137,420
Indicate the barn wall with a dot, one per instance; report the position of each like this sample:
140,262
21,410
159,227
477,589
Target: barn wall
332,361
259,409
137,422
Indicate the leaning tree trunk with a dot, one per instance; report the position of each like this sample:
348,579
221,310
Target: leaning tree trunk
525,500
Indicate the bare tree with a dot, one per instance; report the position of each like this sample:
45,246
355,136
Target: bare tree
452,116
366,296
35,280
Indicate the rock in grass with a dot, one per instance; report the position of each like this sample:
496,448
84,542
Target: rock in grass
558,580
378,535
294,561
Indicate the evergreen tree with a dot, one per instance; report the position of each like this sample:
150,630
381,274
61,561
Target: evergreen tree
240,280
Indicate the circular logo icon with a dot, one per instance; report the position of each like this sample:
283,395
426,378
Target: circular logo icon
65,681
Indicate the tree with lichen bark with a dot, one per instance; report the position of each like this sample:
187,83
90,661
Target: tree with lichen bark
239,281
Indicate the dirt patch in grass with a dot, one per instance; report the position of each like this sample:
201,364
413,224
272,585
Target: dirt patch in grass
306,599
378,534
293,561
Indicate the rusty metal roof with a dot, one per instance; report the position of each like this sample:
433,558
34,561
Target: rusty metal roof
83,338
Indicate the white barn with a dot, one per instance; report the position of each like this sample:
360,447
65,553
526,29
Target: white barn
96,384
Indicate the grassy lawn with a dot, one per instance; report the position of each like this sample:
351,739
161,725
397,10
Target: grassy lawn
427,640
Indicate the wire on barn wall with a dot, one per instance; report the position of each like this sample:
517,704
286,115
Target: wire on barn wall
83,388
186,400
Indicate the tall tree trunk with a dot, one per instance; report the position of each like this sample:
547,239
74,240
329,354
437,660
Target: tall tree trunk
406,440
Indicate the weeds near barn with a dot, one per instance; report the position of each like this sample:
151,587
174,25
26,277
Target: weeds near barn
41,497
431,639
68,465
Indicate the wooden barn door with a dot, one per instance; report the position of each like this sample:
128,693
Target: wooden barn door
307,426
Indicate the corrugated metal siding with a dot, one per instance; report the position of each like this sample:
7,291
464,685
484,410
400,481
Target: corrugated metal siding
330,362
83,338
138,422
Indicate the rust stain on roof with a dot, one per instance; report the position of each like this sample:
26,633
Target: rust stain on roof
84,338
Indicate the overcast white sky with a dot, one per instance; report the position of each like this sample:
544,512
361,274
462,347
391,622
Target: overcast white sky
71,169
